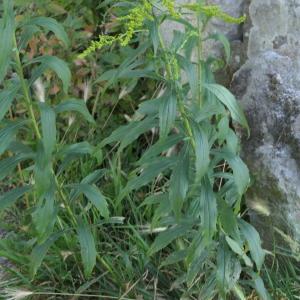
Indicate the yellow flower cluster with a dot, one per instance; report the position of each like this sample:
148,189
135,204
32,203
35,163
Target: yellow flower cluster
170,6
215,11
133,21
104,40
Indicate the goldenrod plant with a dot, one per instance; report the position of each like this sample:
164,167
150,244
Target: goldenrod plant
154,209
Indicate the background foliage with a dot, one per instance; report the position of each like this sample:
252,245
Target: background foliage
120,168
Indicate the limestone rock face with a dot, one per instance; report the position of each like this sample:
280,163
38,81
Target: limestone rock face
268,85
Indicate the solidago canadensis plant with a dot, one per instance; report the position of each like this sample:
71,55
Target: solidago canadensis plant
191,173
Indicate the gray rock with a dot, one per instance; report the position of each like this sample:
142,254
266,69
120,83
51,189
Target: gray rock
268,85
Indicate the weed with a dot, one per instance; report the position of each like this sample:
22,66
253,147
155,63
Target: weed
152,210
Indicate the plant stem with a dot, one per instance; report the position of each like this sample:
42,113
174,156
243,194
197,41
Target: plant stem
181,104
29,105
28,101
199,56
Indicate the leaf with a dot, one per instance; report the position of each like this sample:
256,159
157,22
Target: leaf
208,209
9,198
43,174
148,174
44,216
76,105
179,183
27,33
236,248
229,101
240,171
129,133
227,218
8,132
39,252
7,31
88,247
228,270
259,286
57,65
159,147
196,267
7,165
82,148
167,113
48,120
201,151
239,292
254,243
6,99
154,35
191,73
149,107
167,237
51,25
224,40
175,257
94,176
94,195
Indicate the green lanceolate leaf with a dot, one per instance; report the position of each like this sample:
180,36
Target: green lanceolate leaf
8,165
149,173
227,218
229,101
159,147
94,195
43,174
175,257
129,133
82,148
191,73
240,170
236,248
12,196
44,216
154,34
7,31
50,24
167,113
259,286
57,65
6,99
75,105
228,269
179,182
208,208
167,237
8,133
254,243
48,120
88,247
201,151
224,40
39,252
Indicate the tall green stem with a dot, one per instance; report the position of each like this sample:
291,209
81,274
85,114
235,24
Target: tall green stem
29,105
181,104
199,56
24,87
